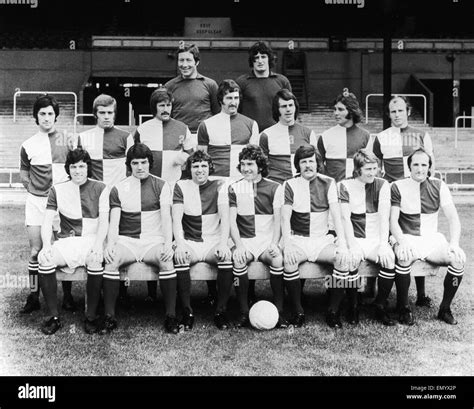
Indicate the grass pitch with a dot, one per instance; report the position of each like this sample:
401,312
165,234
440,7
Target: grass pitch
141,347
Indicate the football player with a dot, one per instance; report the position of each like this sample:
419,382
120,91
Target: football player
308,199
106,143
223,136
338,144
170,140
365,210
140,230
280,141
83,207
194,95
201,231
414,225
260,85
42,159
255,213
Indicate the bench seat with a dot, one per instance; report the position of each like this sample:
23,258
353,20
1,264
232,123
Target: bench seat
256,271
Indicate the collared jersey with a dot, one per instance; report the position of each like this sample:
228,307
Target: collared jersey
225,136
257,96
164,139
107,148
200,218
43,156
419,204
279,143
194,99
141,201
364,200
255,203
310,202
338,145
393,146
78,206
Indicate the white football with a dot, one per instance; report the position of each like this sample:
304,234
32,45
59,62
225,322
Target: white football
263,315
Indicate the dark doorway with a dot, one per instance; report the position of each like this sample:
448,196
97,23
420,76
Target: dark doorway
125,90
294,67
443,100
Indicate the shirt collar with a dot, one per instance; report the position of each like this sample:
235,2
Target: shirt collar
252,75
49,134
198,77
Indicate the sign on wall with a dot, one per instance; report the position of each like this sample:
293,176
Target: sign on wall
207,27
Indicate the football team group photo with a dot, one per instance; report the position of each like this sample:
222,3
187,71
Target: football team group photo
230,231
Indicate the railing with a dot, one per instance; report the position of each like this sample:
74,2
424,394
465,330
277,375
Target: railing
456,127
77,116
10,183
19,92
141,116
131,114
401,95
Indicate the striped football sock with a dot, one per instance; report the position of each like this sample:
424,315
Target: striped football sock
386,278
183,283
49,287
452,280
168,285
224,284
241,285
111,290
293,286
402,283
278,286
93,288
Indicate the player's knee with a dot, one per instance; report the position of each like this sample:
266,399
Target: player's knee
34,251
114,266
290,266
354,265
458,265
277,262
238,264
405,262
340,264
391,262
93,264
227,258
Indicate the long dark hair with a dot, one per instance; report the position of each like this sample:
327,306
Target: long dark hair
77,155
